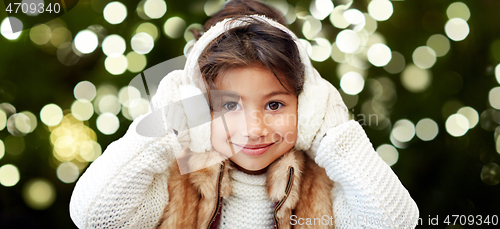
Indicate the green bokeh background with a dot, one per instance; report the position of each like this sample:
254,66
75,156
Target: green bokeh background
443,175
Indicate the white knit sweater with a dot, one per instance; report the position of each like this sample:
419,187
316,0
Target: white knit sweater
248,207
127,186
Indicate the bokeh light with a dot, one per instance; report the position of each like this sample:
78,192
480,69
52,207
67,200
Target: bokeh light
494,97
212,6
40,34
457,125
9,175
311,27
188,35
60,35
115,12
3,119
32,119
348,41
490,174
174,27
439,43
352,83
6,29
471,115
86,41
388,153
116,65
113,45
356,18
415,79
107,123
2,149
497,75
85,90
142,43
51,115
136,62
457,29
458,10
380,10
427,129
403,130
39,193
67,172
109,104
379,55
18,124
424,57
82,110
148,28
321,50
155,9
337,17
396,64
90,150
320,9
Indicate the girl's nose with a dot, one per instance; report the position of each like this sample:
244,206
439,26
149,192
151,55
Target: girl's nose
256,126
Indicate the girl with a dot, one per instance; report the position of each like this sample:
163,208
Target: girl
279,150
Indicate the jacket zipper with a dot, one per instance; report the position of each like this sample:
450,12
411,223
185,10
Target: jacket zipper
217,206
287,191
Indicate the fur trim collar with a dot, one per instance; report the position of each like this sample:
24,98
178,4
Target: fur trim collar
295,183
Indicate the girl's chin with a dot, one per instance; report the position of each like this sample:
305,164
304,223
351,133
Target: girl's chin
251,169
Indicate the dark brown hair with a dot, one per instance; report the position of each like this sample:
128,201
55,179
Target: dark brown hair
257,43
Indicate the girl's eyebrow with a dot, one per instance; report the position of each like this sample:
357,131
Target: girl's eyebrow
276,93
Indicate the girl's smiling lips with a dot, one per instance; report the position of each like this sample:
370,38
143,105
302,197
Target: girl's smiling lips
254,150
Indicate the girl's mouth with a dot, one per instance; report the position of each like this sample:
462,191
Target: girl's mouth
254,150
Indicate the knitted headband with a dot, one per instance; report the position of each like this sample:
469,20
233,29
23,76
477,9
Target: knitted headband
312,101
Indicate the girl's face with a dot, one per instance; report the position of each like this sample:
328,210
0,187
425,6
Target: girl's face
260,125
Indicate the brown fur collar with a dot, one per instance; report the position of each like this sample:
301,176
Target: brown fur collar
193,196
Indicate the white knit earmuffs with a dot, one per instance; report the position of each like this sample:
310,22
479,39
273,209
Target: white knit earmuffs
320,106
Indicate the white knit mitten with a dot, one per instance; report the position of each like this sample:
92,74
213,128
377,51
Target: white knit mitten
336,114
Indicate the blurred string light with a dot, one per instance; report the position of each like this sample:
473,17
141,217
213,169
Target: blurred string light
188,35
396,64
6,28
85,91
72,139
379,55
148,28
19,124
337,17
136,62
109,104
40,34
457,125
355,18
348,41
380,10
471,115
388,153
86,41
174,27
142,43
155,9
321,50
113,45
213,6
9,175
107,123
39,193
424,57
2,149
457,29
67,172
320,9
82,110
115,12
311,27
32,119
494,97
3,119
497,75
426,129
116,65
415,79
458,10
51,115
439,44
352,83
403,130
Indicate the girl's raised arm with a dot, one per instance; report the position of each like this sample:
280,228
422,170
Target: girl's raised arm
126,187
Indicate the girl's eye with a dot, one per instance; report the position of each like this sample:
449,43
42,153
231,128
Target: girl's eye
231,106
274,105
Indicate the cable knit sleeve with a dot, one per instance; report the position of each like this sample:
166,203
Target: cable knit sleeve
126,187
367,193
